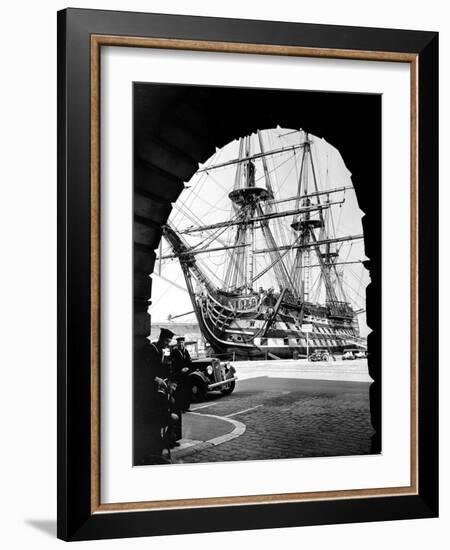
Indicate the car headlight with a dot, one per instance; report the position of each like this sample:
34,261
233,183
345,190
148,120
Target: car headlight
209,370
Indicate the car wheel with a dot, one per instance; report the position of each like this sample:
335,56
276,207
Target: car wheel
198,390
229,388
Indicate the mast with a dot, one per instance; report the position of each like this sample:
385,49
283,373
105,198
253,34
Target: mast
245,199
250,182
276,259
290,260
304,225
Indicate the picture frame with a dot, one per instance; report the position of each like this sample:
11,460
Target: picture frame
81,35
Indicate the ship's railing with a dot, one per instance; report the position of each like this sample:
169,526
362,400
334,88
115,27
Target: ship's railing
247,303
315,310
340,309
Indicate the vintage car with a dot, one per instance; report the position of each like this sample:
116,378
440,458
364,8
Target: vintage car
348,355
211,374
319,355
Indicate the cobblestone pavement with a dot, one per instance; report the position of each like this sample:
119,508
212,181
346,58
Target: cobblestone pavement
291,418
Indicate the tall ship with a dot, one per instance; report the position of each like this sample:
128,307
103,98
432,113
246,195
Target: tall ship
276,285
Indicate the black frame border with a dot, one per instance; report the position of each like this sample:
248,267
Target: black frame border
75,520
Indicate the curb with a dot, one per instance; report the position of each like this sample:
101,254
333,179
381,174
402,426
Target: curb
239,429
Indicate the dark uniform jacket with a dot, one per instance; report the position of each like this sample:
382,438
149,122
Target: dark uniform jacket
158,362
180,360
150,407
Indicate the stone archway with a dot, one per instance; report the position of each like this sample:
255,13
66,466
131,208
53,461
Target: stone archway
176,127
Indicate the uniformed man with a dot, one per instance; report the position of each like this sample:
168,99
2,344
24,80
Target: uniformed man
159,354
151,407
181,365
163,390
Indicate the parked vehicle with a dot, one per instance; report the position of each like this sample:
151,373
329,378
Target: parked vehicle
210,374
348,356
320,355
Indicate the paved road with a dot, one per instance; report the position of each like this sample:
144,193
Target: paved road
280,418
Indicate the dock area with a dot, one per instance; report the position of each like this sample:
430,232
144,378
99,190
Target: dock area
348,371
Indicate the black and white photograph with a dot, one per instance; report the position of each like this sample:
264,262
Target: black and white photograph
224,278
258,345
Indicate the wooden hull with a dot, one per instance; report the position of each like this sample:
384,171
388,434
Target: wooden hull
239,326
